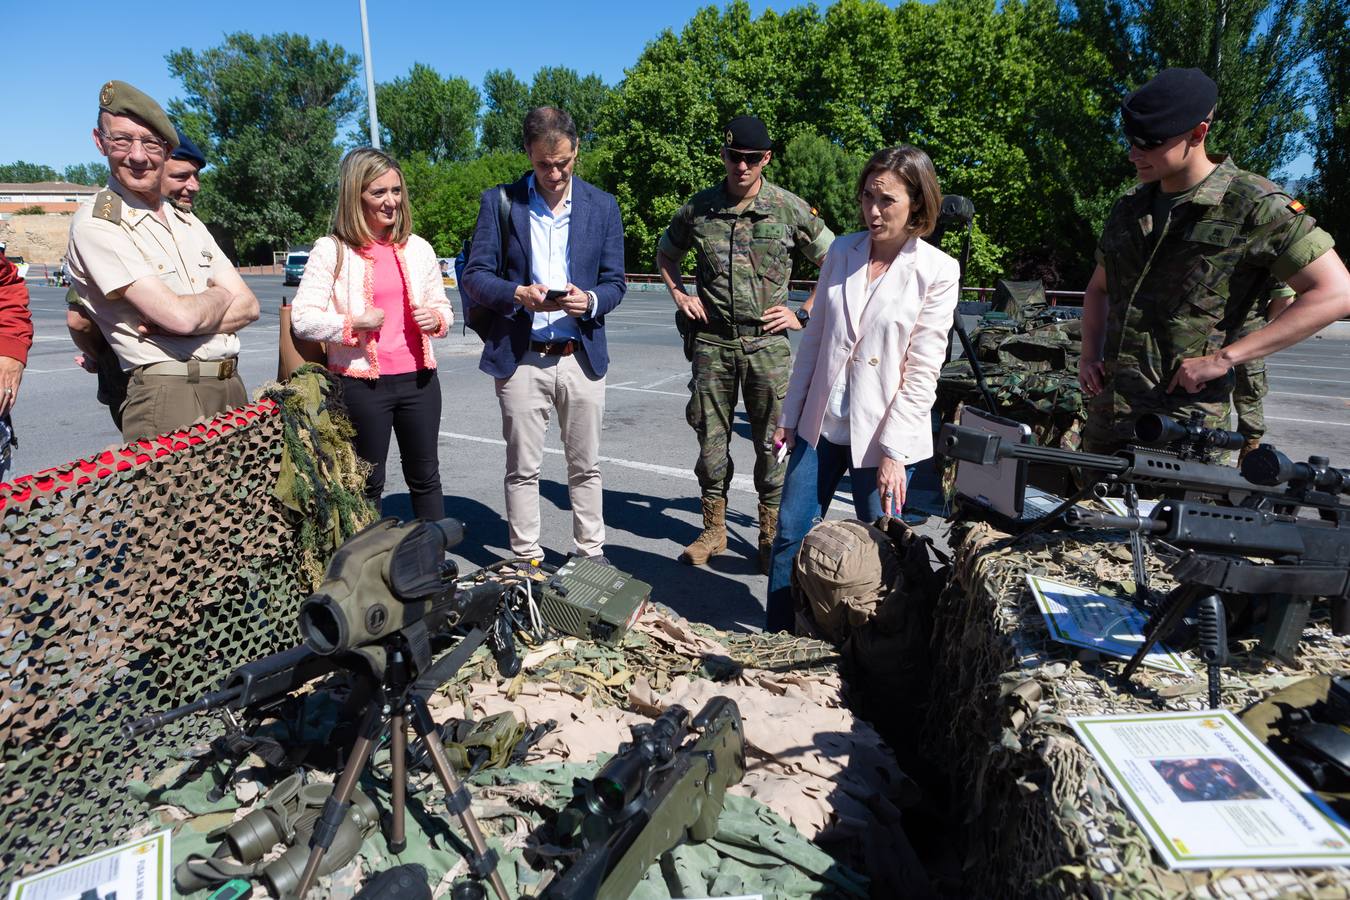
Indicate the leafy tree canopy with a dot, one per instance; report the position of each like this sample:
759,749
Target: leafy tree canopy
265,111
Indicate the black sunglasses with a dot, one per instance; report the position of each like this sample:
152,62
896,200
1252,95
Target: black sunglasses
1144,143
751,159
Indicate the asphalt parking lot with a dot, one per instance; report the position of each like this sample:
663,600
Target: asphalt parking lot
651,496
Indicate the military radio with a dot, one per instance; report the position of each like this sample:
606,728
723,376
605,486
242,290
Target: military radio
587,599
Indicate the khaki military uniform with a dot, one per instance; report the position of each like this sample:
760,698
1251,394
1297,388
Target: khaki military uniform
1188,291
173,379
743,260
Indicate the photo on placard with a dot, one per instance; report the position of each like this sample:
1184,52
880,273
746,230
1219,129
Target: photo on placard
1208,780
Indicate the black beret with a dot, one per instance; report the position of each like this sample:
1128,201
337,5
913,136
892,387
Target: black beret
1172,103
748,133
188,151
121,99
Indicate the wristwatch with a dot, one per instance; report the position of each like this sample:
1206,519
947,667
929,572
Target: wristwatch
803,316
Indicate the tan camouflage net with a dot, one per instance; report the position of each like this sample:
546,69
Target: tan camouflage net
133,581
1041,820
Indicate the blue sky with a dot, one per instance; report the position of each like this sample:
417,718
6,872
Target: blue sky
56,57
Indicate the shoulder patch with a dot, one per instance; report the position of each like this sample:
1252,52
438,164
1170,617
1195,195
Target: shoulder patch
1296,207
108,206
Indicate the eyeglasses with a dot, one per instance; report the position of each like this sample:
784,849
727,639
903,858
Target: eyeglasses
1144,143
123,143
739,156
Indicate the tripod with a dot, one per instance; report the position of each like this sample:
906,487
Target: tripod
396,695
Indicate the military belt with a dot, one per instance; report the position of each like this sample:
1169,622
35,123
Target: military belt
731,332
192,369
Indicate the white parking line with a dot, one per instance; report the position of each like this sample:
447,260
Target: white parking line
1276,362
648,387
1309,421
638,390
738,482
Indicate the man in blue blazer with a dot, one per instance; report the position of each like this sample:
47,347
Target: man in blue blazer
545,339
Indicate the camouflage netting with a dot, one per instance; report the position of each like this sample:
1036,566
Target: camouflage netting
1039,819
133,581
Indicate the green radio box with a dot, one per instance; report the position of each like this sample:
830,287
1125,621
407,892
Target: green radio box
589,600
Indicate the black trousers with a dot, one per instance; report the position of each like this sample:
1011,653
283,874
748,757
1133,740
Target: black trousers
409,406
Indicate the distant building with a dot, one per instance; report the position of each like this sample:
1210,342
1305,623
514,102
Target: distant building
52,196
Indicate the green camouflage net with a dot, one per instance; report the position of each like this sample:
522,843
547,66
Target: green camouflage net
133,581
1039,817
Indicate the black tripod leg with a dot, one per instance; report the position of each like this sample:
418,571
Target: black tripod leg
398,756
1161,624
335,808
456,796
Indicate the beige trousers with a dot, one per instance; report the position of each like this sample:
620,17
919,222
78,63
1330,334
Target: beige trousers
540,385
156,404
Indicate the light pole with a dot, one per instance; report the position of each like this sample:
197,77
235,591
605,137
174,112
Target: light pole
370,81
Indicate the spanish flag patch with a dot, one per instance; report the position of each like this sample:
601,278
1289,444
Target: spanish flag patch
1296,207
814,211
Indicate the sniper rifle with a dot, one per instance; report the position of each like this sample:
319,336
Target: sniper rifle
651,796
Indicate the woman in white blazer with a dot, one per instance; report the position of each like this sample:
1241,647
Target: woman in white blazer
373,291
866,371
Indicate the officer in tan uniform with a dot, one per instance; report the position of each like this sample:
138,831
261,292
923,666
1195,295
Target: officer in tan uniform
162,293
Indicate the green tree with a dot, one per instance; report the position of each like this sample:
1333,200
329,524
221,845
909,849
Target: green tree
1330,131
425,113
1003,96
1255,50
265,111
824,175
445,195
581,97
507,99
87,173
27,173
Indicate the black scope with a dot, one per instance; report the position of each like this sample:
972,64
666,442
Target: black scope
622,780
1267,466
1157,430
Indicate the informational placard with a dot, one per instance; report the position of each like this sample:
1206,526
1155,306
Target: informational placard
139,870
1084,618
1210,795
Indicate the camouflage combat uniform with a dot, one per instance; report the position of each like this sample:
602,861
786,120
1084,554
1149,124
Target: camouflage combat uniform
1188,292
743,260
1250,387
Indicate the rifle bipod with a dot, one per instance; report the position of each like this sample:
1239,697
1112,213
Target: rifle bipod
396,698
1213,632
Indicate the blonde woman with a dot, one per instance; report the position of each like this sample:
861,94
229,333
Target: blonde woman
372,290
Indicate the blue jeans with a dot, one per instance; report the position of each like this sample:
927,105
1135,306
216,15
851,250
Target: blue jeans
813,475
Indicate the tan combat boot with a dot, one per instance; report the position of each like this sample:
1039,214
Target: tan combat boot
768,530
713,540
1247,447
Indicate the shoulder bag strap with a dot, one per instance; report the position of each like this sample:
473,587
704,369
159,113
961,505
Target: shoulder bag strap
503,225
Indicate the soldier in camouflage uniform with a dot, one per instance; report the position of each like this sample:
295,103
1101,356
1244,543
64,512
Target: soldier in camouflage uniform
742,232
1250,387
1182,261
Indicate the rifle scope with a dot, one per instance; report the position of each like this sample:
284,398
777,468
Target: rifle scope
382,579
1267,466
622,780
1157,430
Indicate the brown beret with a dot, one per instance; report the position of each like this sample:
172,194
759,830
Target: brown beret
121,99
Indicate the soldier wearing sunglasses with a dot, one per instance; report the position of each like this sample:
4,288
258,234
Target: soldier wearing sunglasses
1184,259
742,232
153,279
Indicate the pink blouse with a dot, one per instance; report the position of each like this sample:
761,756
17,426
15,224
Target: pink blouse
399,334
